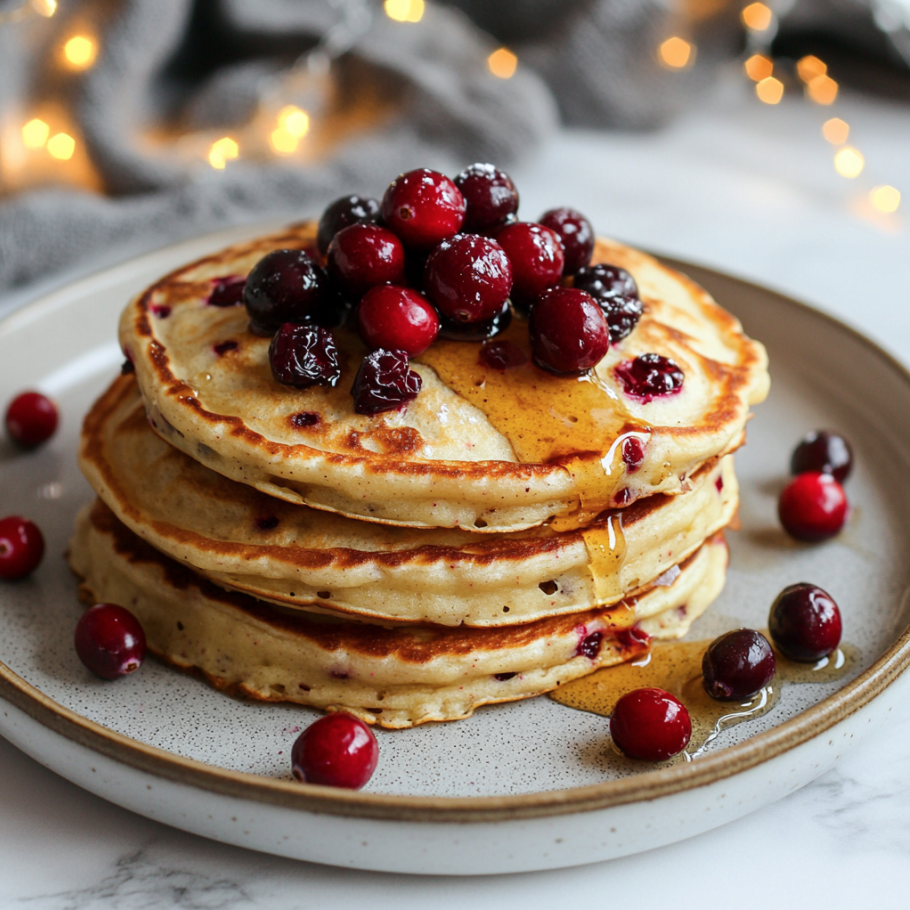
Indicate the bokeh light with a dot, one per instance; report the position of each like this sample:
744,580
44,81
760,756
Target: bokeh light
61,146
677,53
770,90
836,131
885,198
849,162
502,63
222,151
80,52
404,10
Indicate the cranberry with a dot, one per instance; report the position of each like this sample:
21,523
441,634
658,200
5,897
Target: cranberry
31,419
812,507
423,207
737,665
338,750
617,293
304,356
305,419
397,318
568,331
576,234
650,724
21,547
537,259
633,454
267,522
590,646
823,451
502,355
489,194
343,213
476,331
384,382
227,291
469,278
364,255
805,622
649,376
224,347
110,641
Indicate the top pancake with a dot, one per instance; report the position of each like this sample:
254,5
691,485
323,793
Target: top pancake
478,449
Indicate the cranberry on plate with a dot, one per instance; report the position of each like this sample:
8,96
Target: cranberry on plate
568,331
576,234
31,419
650,724
21,547
616,292
227,291
649,376
805,622
110,641
738,665
537,259
343,213
338,750
364,255
813,507
823,451
304,356
384,382
490,197
423,207
397,318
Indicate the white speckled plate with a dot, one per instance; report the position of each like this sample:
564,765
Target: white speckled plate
524,786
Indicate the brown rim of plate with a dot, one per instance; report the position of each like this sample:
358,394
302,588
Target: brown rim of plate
649,785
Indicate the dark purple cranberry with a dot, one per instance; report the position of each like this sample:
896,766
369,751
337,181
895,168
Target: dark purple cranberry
502,355
110,641
633,638
455,330
633,454
305,419
823,451
649,376
227,291
576,234
162,311
398,319
267,522
384,382
423,208
813,507
617,293
225,346
343,213
338,750
805,623
364,255
650,724
127,367
537,259
304,356
590,645
31,419
469,278
568,331
288,286
504,677
737,665
21,547
490,197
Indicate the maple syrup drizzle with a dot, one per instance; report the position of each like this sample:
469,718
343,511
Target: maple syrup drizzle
606,545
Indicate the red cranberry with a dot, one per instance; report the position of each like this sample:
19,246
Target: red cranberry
576,234
397,318
224,347
227,291
617,293
805,622
31,419
502,355
649,376
823,451
590,645
650,724
633,454
384,382
21,547
338,750
568,331
305,419
737,665
304,356
343,213
489,194
423,207
110,641
812,507
364,255
469,278
537,259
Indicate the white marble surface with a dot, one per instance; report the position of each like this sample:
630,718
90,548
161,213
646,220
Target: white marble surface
748,189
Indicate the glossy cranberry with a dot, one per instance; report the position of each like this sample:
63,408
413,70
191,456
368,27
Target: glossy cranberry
343,213
633,454
304,356
823,451
288,286
650,724
576,234
456,330
227,291
590,645
502,355
110,641
21,547
305,419
737,665
568,331
805,623
364,255
489,194
617,293
649,376
469,278
812,507
384,382
537,259
504,677
31,419
338,750
423,207
397,318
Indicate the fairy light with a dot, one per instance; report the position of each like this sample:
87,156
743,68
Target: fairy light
222,151
404,10
502,63
822,89
676,53
45,8
849,162
836,131
758,67
80,52
35,133
757,17
809,67
885,198
61,146
770,90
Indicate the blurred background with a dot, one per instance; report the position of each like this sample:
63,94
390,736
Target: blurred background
772,139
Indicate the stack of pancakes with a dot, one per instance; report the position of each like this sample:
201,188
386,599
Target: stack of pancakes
487,543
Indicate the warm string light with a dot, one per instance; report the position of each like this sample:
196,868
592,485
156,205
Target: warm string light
80,52
849,162
757,17
404,10
45,8
770,90
836,131
222,151
676,53
502,63
885,198
293,125
758,67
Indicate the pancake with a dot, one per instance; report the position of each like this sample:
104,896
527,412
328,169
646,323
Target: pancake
246,540
396,677
478,449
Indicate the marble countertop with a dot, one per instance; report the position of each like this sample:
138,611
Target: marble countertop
745,188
